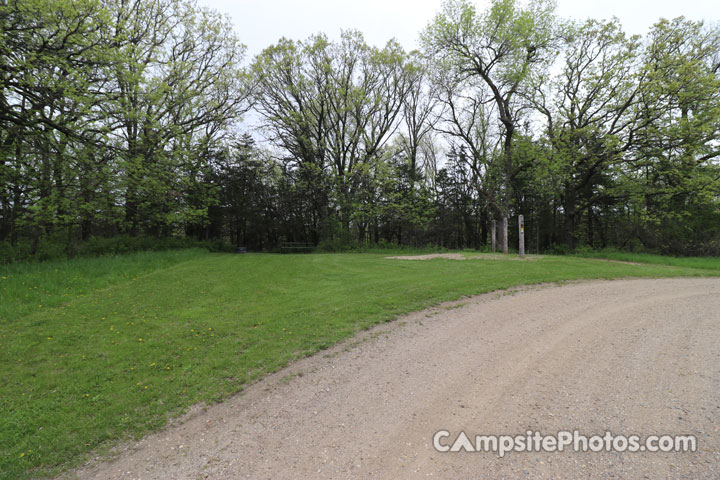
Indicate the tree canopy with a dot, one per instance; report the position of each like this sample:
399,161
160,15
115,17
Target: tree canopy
146,119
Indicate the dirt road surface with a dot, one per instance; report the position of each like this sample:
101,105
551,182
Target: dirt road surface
629,356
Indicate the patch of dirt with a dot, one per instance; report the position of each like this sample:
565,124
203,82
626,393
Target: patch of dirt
625,262
429,256
627,356
458,256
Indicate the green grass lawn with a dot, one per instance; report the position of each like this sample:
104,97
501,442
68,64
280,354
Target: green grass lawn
705,263
96,351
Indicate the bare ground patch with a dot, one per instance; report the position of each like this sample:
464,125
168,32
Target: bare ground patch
459,256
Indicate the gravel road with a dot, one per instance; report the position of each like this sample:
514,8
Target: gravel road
628,356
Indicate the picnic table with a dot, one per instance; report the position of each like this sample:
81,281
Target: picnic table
296,247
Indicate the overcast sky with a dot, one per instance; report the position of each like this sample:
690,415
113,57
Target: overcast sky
260,23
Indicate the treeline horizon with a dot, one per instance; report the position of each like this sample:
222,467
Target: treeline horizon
124,118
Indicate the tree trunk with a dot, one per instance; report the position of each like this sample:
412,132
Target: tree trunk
570,212
591,236
483,229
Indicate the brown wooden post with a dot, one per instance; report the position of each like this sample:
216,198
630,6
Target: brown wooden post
505,235
521,228
493,235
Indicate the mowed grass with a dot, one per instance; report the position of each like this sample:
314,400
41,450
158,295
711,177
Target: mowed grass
705,263
25,287
122,344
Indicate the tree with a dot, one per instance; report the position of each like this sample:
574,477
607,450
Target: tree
419,113
247,211
674,177
501,47
591,114
177,84
331,107
51,54
109,110
466,123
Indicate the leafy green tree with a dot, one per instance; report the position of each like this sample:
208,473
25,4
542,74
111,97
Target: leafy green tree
331,106
247,211
500,47
177,84
466,123
51,54
591,115
419,113
673,179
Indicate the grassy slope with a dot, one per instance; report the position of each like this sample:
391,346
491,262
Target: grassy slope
705,263
26,286
121,344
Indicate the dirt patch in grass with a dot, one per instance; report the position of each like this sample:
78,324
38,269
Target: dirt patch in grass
490,256
459,256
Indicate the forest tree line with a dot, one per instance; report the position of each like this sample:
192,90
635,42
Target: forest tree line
144,118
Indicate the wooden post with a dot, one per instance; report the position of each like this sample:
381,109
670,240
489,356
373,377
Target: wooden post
493,236
521,228
505,235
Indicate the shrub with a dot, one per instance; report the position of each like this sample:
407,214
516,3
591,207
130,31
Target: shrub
55,247
558,249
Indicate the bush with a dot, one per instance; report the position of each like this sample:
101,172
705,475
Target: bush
585,250
125,244
217,245
120,244
50,249
336,245
558,249
55,247
342,241
12,253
